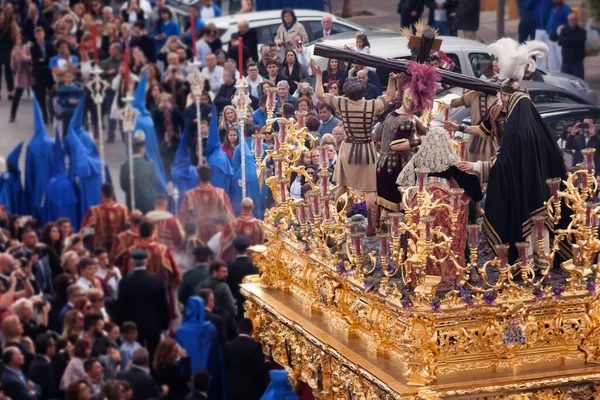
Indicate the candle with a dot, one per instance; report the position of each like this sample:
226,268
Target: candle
279,167
326,210
351,227
395,223
241,56
501,250
308,212
270,97
282,122
383,243
324,183
461,146
584,181
553,183
428,222
301,212
446,113
589,158
456,195
323,157
421,173
258,149
193,33
126,70
282,188
588,214
276,143
523,246
95,43
300,115
473,238
538,220
356,240
314,198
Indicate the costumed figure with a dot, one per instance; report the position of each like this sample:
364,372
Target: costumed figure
60,197
245,224
106,220
184,175
280,387
160,262
438,155
12,196
124,241
203,204
200,338
145,124
356,162
216,158
76,126
401,128
252,185
528,155
39,163
85,170
167,229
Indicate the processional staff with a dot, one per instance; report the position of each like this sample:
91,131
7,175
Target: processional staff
196,80
241,102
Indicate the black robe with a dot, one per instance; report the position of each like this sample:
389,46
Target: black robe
517,189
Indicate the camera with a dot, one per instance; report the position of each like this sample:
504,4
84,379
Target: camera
585,125
299,43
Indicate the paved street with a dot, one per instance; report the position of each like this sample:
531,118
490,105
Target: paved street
384,16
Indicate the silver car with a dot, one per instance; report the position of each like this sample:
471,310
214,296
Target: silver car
468,55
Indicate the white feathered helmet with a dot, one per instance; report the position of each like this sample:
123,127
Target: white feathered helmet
513,57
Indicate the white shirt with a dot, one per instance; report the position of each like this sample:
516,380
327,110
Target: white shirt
85,284
144,5
113,283
254,85
207,12
304,59
215,78
440,14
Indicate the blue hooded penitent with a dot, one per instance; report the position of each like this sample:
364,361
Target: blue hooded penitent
60,200
280,387
252,184
86,172
184,175
12,195
222,172
145,124
200,339
76,126
39,163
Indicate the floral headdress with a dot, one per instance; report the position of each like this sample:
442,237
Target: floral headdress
422,85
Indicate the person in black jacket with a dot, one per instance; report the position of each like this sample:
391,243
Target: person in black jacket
14,383
33,20
466,18
169,371
238,269
145,42
326,24
410,12
168,122
143,299
584,136
226,91
138,376
209,304
245,363
572,42
41,53
249,38
40,370
201,386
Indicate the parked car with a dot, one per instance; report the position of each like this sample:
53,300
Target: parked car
557,115
468,55
540,93
267,23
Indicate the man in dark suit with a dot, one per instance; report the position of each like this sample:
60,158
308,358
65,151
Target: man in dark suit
14,383
245,363
226,91
209,304
41,53
34,20
144,176
74,292
583,136
327,30
201,381
40,370
143,299
238,269
138,376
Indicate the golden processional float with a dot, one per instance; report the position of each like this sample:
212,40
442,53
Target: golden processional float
359,318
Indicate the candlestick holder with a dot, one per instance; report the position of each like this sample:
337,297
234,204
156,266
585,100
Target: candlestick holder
196,80
97,87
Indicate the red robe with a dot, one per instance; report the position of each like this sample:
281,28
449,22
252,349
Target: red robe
108,220
244,225
121,249
162,263
201,205
167,229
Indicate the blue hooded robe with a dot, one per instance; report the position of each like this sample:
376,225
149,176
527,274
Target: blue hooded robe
11,194
280,387
76,127
39,163
85,171
200,340
60,200
252,184
145,124
184,175
222,171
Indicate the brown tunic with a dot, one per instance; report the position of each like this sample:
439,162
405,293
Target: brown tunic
356,162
